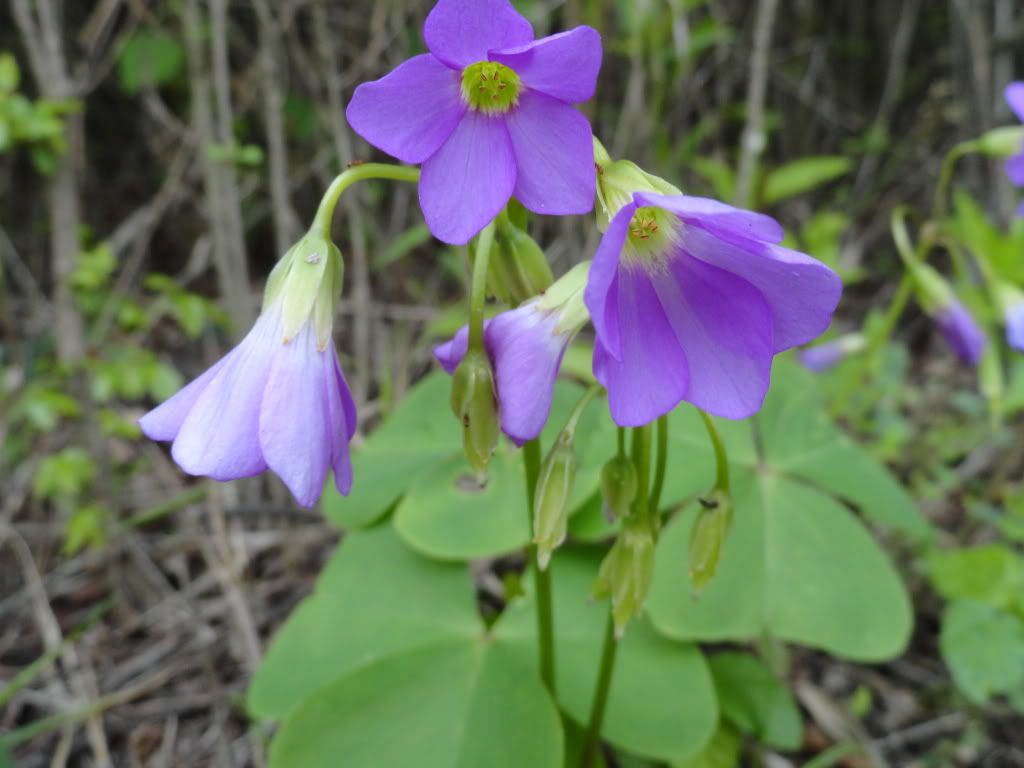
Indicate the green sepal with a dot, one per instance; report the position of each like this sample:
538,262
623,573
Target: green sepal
565,296
618,486
617,182
476,407
626,572
519,270
1002,142
551,500
707,538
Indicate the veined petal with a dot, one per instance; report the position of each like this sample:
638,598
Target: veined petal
651,375
1015,98
164,422
801,292
554,154
294,417
220,436
526,354
410,112
461,32
601,294
715,216
724,327
468,181
342,424
1015,169
564,66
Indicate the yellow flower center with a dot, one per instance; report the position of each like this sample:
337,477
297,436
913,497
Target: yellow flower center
653,235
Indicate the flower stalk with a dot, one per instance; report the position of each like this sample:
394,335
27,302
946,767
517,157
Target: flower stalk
541,578
348,177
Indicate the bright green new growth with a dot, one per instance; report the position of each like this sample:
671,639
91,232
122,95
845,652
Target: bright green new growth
490,87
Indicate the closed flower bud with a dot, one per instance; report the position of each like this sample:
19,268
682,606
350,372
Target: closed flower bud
626,573
518,268
1002,142
707,539
551,499
618,487
474,405
822,357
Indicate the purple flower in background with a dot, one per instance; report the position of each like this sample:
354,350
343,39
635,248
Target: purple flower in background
822,357
526,346
1014,318
691,300
960,330
488,112
1015,165
279,399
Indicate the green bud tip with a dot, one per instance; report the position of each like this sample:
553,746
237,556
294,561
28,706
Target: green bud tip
618,487
490,87
707,537
475,406
551,499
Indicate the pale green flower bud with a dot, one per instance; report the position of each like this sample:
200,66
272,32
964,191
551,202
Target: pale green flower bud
707,537
476,407
626,573
518,269
1002,142
551,499
618,487
308,282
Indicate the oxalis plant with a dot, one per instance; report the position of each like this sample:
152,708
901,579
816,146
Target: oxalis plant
668,501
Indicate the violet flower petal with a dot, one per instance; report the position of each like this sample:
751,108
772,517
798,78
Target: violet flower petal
554,155
293,420
564,66
601,294
652,375
466,184
822,357
342,424
1015,170
450,354
1014,320
724,327
716,217
801,292
164,422
410,112
961,332
527,354
461,32
220,436
1015,98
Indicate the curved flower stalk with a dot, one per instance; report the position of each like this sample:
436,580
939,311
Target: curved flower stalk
278,400
692,299
489,113
1015,165
526,346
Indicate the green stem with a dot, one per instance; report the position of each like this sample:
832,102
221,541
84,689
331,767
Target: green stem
721,458
621,435
574,417
350,176
641,455
661,459
946,176
600,700
478,290
541,578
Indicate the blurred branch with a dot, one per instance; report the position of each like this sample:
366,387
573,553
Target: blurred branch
753,140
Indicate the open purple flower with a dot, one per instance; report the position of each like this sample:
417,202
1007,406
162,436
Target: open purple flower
691,300
488,112
526,346
1015,165
277,401
960,330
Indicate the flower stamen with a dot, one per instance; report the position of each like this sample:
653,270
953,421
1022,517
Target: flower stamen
490,87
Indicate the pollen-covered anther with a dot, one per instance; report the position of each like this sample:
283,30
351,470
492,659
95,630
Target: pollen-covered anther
490,87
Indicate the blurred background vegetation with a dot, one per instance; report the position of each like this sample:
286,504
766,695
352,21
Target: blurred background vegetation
157,157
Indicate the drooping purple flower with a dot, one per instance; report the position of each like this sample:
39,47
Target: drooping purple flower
488,112
691,300
960,330
822,357
1014,319
1015,165
526,346
277,401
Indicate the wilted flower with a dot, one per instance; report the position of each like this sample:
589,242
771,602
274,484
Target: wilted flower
692,299
526,346
821,357
1015,165
488,112
278,400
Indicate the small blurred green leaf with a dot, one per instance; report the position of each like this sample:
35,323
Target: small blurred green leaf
717,174
10,75
63,475
753,700
990,574
984,648
94,269
723,751
802,176
86,528
149,59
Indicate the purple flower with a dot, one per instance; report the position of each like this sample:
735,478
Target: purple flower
1015,165
691,300
961,331
267,404
822,357
1014,319
488,112
526,346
